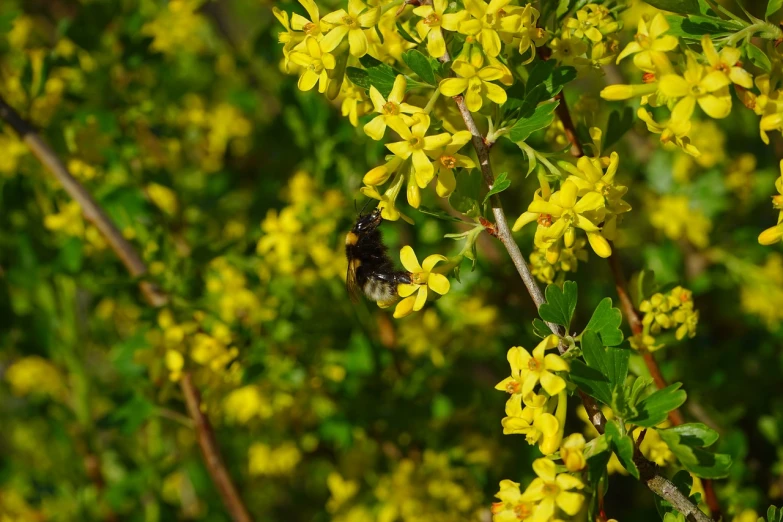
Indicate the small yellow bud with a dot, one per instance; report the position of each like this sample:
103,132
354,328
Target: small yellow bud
771,236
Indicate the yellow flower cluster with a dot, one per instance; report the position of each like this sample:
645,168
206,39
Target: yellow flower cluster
70,221
674,215
674,309
549,493
702,80
568,261
268,461
762,291
538,416
36,375
588,39
589,199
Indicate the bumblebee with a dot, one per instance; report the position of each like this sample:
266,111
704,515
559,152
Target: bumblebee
370,270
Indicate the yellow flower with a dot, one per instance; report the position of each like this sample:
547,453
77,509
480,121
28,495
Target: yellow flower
355,103
746,515
675,217
673,131
528,370
265,460
568,50
698,85
538,426
341,490
726,62
175,362
446,160
416,144
569,213
422,280
432,24
529,35
656,313
623,92
35,375
311,27
474,81
389,110
650,45
351,23
774,234
487,21
388,199
654,448
316,63
511,508
551,489
163,197
572,452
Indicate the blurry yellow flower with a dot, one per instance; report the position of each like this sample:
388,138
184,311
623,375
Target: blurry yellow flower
243,404
355,102
433,22
675,130
674,216
174,363
698,85
552,489
163,197
746,515
35,375
475,82
654,448
572,452
315,64
341,490
351,23
389,110
265,460
651,44
422,279
69,220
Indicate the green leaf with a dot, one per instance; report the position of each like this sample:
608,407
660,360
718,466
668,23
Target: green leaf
358,77
696,434
501,183
758,57
552,78
591,381
677,6
611,362
542,117
618,124
622,445
654,409
405,35
560,304
440,214
420,65
597,454
606,323
701,463
381,76
540,328
465,197
684,482
695,26
773,7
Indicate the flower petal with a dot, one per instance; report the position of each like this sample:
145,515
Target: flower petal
570,502
674,86
408,259
421,299
358,42
438,283
545,469
552,383
453,86
495,93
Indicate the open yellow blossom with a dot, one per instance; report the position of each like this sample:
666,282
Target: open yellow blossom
388,199
528,34
674,216
698,84
774,234
570,212
316,63
572,452
422,280
487,20
446,160
433,22
551,489
650,43
475,83
511,508
727,62
416,144
389,109
528,370
311,27
538,426
675,130
351,23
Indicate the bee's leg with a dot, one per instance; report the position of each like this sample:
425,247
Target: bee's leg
394,277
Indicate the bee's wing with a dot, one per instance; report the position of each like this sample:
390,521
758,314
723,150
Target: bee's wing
350,282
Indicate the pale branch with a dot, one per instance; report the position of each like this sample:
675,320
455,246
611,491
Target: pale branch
650,476
209,450
152,295
90,208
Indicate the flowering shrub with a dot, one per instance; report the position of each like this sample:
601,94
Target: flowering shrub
176,181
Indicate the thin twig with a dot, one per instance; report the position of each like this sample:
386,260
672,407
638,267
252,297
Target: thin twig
648,471
210,452
154,297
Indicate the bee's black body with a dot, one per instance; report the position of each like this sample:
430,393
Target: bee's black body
369,268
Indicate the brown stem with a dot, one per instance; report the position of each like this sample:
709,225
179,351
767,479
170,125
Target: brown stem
152,295
211,452
657,483
90,208
568,125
